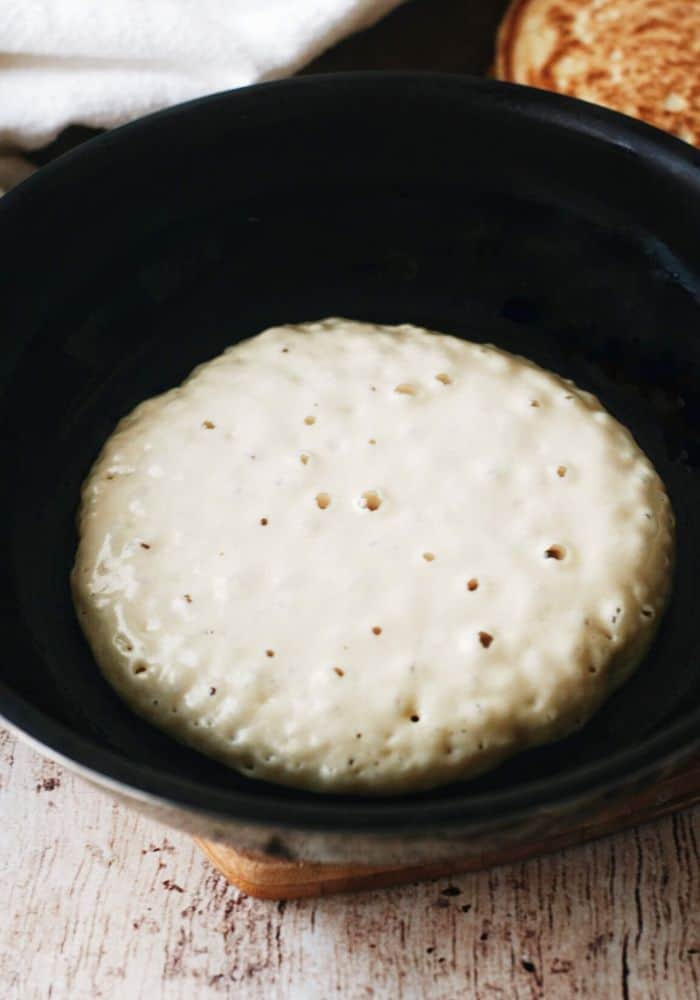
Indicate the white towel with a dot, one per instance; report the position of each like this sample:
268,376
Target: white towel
104,62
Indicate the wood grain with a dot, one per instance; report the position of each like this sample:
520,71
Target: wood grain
100,903
273,878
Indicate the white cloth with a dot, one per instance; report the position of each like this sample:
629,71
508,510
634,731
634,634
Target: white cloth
104,62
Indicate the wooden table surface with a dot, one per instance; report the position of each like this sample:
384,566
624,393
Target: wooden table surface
101,903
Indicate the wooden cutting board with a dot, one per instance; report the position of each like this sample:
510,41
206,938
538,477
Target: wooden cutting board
274,878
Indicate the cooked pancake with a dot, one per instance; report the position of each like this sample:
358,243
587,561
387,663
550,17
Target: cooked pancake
358,558
641,57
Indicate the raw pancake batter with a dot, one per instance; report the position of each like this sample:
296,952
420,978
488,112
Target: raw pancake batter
356,558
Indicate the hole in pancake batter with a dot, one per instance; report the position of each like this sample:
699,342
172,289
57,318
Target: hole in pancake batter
555,552
323,500
339,672
377,630
429,556
309,420
370,500
444,378
140,667
208,425
473,584
406,389
561,471
485,638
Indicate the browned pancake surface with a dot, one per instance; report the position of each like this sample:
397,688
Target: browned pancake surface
641,57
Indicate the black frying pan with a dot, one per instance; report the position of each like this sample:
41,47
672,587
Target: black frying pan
544,225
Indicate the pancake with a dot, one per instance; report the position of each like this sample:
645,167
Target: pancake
357,558
641,57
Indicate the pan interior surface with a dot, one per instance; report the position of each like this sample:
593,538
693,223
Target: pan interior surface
524,220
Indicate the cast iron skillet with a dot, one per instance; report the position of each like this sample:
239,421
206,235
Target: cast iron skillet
541,224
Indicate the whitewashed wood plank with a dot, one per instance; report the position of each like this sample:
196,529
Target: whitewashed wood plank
101,903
